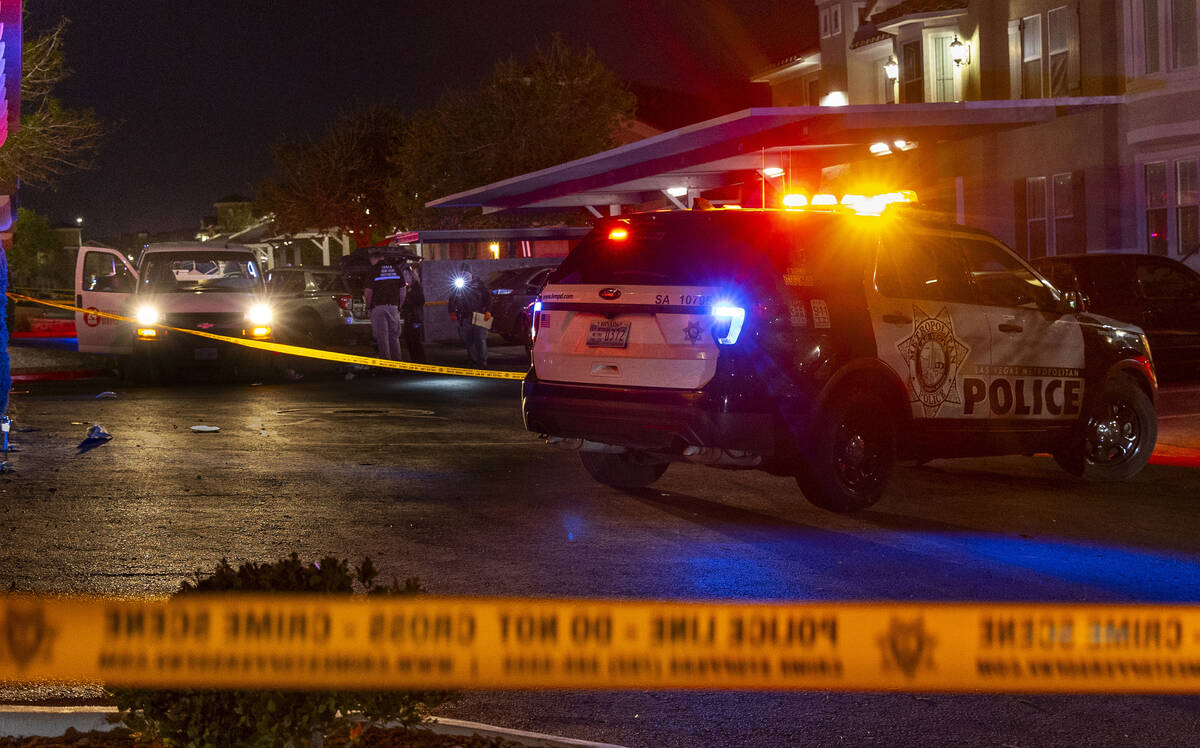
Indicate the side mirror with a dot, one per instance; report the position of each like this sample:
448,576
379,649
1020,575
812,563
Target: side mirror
1074,301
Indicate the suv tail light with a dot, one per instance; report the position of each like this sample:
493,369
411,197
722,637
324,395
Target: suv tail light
344,301
537,320
729,321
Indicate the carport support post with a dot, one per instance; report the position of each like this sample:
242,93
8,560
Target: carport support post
325,249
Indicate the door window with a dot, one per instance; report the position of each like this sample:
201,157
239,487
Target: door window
1000,278
1160,280
104,272
913,71
923,267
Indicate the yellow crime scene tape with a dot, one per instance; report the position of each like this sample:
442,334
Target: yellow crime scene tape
293,350
306,642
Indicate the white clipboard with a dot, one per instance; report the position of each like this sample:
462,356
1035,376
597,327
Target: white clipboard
478,320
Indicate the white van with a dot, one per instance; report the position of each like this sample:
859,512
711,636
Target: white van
212,288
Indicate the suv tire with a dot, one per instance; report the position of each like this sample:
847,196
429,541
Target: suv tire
1116,438
622,470
850,454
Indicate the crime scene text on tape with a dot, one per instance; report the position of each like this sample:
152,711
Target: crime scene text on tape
290,641
292,350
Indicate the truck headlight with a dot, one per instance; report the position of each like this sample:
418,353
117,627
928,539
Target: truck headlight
147,315
259,314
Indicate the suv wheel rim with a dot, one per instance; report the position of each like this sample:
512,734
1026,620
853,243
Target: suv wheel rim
1113,436
856,456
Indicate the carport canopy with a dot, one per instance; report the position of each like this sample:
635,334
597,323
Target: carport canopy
723,151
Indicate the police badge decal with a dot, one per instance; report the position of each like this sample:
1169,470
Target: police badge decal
934,355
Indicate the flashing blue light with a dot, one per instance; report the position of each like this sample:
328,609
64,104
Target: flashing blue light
537,306
736,316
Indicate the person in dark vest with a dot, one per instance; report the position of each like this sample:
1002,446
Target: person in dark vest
470,305
384,293
413,312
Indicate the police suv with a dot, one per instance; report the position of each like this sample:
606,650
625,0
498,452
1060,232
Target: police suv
825,344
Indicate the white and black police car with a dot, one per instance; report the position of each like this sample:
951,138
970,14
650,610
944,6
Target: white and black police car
826,343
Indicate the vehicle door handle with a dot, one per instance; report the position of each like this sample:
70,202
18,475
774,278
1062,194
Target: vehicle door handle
79,300
897,319
1009,327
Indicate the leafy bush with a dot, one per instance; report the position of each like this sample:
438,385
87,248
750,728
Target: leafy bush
273,718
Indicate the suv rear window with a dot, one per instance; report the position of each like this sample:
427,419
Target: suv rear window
328,282
714,249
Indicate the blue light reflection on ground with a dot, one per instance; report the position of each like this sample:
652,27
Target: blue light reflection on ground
938,565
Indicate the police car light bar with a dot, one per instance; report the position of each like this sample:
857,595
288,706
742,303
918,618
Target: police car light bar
736,316
872,205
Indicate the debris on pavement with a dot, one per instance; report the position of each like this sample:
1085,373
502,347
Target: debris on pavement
5,467
293,375
107,395
96,435
202,429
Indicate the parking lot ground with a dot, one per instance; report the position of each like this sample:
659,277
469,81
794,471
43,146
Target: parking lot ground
435,477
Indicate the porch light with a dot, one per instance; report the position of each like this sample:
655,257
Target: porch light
960,52
677,191
891,68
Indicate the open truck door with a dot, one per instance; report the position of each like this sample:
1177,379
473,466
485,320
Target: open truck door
104,281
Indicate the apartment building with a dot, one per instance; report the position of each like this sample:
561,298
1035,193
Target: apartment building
1115,171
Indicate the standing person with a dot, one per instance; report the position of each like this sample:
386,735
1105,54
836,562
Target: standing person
413,311
468,297
384,293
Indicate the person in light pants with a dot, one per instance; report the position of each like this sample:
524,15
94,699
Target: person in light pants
468,296
384,293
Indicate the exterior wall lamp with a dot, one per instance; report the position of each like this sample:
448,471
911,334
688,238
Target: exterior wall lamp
960,52
891,68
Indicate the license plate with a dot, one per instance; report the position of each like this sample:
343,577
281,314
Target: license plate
608,334
206,354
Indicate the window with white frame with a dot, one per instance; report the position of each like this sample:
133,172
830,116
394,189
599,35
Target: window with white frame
1063,199
835,20
1183,34
1150,37
1031,57
1044,54
1169,37
1053,225
1035,216
1157,219
1187,205
1062,48
825,13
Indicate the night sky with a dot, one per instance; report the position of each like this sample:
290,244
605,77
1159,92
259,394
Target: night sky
197,92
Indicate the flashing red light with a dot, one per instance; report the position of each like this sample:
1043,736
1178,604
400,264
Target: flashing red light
618,235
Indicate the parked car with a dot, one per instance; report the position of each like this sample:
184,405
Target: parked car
822,345
318,305
1160,295
213,289
513,292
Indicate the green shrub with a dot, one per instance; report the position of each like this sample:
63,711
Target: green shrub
273,718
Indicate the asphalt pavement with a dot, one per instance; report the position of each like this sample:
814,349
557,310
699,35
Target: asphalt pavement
435,477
